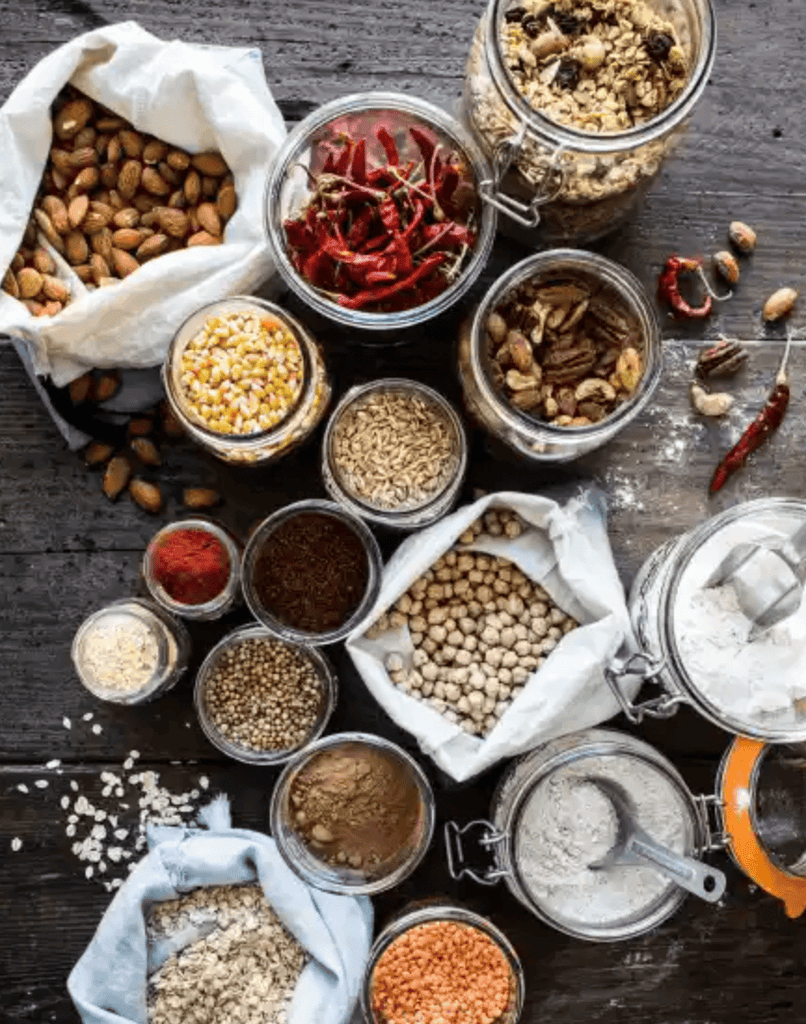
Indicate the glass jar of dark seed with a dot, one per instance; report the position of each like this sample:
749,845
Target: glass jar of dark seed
311,572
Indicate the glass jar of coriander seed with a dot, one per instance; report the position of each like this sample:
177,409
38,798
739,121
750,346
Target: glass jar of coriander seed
577,106
130,652
246,380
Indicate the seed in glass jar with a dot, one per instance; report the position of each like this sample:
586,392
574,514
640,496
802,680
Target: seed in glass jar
658,45
567,76
514,15
263,694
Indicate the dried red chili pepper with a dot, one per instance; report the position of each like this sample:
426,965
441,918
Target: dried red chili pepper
378,294
388,143
765,424
669,288
358,167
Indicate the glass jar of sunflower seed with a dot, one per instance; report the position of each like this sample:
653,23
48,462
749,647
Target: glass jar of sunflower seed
578,105
246,380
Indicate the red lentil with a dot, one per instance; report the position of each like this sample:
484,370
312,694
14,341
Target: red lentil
441,973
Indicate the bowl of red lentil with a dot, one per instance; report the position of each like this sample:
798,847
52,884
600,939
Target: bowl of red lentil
246,380
192,568
440,963
259,699
373,210
311,572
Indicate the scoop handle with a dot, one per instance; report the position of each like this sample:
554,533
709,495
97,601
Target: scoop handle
704,881
794,551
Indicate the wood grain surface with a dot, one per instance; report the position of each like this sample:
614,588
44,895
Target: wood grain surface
65,550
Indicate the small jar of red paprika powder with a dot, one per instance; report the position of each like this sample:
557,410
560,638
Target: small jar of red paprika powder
191,568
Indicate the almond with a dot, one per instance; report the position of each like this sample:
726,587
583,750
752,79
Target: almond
226,202
147,496
86,137
104,282
34,308
10,285
212,164
192,187
84,157
173,222
57,211
97,452
126,218
55,289
84,272
178,160
153,182
116,201
77,210
170,424
177,200
153,246
126,238
145,203
152,217
80,388
43,261
98,218
52,307
140,426
60,159
86,180
102,144
209,187
154,151
106,385
173,177
129,179
76,248
114,151
209,219
18,260
146,451
48,230
101,243
116,476
29,282
123,262
200,497
58,181
110,175
111,123
132,142
99,267
203,238
72,117
779,304
29,236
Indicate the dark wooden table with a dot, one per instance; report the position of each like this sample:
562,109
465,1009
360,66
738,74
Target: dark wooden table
65,550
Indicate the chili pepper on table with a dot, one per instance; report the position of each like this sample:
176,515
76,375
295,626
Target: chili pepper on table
765,424
669,288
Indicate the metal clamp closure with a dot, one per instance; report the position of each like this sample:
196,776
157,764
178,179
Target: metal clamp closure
455,851
711,813
504,155
648,668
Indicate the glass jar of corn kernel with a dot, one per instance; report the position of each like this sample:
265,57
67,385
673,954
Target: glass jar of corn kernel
246,380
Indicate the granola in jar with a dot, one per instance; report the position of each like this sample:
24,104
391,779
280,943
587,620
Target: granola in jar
578,104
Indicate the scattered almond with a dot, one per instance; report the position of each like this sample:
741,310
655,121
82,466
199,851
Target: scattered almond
79,388
200,497
106,386
97,452
147,496
139,426
146,451
780,304
170,424
117,475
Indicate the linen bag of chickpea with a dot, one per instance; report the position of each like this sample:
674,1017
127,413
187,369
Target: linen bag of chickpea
196,99
493,627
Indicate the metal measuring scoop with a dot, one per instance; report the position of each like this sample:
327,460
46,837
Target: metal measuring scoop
767,576
633,846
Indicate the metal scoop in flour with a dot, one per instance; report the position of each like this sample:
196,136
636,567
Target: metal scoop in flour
635,847
767,577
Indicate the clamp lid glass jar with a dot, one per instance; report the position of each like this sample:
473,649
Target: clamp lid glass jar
373,212
695,639
563,351
473,963
246,380
130,652
577,106
352,813
394,453
548,824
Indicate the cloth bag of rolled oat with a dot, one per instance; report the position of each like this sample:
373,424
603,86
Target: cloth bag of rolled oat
110,983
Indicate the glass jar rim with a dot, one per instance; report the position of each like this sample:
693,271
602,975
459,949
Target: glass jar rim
158,592
427,817
362,506
614,275
374,569
247,755
257,437
435,117
574,139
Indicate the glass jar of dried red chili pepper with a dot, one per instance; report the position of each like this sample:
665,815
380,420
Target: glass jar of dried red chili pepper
373,211
577,108
192,568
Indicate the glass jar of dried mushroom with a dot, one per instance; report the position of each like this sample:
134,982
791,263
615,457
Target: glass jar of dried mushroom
260,699
395,453
246,380
352,813
578,105
562,353
130,652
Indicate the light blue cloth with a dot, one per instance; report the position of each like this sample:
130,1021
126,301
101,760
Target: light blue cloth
108,984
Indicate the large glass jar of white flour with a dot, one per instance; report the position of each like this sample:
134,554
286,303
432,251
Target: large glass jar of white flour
549,823
695,639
